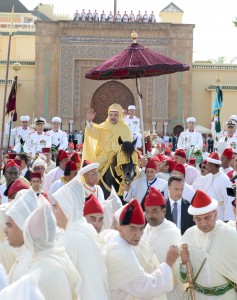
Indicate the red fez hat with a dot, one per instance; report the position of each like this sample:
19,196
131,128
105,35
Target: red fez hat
132,214
202,204
228,152
156,158
167,151
46,150
17,186
171,163
79,146
93,206
160,146
214,158
180,168
151,165
12,155
154,198
18,162
204,162
11,163
71,166
63,155
180,152
35,175
192,161
76,158
71,145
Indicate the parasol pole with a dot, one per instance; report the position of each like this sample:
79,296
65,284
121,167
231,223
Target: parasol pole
141,113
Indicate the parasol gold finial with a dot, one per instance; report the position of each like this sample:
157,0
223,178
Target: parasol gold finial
218,79
134,37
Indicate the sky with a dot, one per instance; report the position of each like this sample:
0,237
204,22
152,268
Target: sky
214,34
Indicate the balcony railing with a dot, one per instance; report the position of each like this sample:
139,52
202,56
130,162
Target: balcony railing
6,26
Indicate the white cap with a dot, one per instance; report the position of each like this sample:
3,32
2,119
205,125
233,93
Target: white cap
39,162
214,158
39,120
57,119
233,118
132,107
88,166
191,119
25,118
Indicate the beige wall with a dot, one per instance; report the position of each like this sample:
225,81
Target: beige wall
204,75
171,17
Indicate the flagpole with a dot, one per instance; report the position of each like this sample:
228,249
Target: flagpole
5,90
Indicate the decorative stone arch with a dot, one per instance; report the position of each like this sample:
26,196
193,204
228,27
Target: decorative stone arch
107,94
177,130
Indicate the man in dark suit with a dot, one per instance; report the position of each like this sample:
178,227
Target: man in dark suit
176,206
25,172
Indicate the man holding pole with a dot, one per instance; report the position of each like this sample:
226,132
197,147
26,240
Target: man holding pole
211,252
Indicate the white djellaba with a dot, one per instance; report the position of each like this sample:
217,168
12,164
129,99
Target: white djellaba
79,240
26,288
7,253
19,212
59,280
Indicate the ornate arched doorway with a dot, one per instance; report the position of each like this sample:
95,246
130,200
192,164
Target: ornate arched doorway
177,130
107,94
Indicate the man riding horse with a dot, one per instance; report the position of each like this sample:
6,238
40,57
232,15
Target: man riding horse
101,140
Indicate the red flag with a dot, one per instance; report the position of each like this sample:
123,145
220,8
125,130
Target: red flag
11,103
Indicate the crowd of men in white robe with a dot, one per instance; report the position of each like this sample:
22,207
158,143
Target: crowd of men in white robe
77,245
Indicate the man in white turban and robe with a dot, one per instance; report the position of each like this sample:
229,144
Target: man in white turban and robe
79,240
15,219
59,280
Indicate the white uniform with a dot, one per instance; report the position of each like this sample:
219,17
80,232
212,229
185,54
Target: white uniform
59,137
231,141
3,199
35,142
188,139
139,187
215,186
191,174
134,125
18,133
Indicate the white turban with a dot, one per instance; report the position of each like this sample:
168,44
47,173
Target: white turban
191,119
71,199
22,208
39,162
56,119
25,118
133,107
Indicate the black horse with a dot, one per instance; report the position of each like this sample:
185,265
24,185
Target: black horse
127,174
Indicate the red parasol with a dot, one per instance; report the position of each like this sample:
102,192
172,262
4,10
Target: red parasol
134,62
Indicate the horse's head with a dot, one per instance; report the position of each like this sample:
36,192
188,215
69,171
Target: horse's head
129,172
124,159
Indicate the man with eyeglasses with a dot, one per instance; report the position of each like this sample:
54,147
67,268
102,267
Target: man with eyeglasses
91,177
211,251
40,166
11,173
